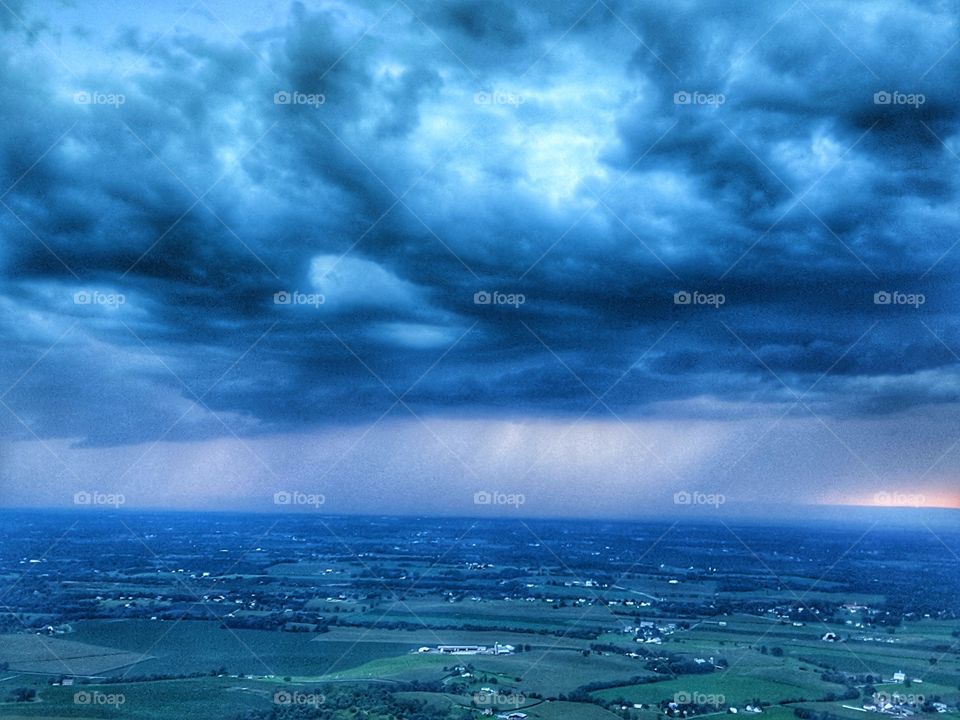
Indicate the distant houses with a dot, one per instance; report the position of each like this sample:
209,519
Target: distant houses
495,649
899,705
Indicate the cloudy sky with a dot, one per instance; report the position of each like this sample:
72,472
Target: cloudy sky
588,254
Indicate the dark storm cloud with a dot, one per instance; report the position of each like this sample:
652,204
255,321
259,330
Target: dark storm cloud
473,147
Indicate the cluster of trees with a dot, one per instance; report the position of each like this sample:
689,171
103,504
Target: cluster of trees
850,693
579,633
366,701
844,678
22,695
289,622
601,648
677,665
607,684
218,672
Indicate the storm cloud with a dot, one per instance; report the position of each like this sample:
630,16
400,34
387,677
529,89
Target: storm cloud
221,223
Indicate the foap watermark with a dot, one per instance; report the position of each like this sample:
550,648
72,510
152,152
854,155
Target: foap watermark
95,697
899,499
685,297
483,497
295,497
914,300
498,97
685,97
484,297
95,297
295,697
295,297
687,697
499,699
295,97
95,97
886,97
695,497
897,698
93,498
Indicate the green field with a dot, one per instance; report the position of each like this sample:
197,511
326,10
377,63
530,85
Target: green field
766,659
54,655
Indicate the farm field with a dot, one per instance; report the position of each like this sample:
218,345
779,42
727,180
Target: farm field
201,646
574,638
51,655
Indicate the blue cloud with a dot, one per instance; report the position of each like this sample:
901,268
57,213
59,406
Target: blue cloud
477,147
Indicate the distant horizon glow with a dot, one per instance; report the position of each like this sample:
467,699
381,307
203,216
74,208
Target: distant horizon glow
904,499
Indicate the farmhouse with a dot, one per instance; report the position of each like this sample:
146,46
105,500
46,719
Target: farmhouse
496,649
